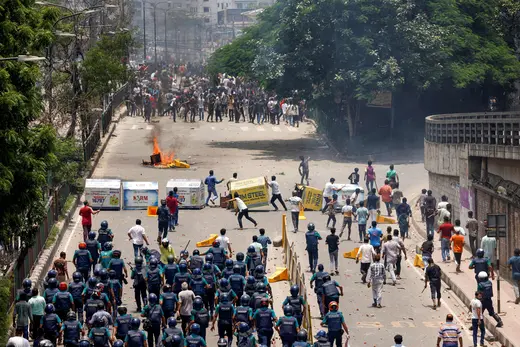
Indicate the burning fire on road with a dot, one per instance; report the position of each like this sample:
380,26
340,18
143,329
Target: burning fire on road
164,160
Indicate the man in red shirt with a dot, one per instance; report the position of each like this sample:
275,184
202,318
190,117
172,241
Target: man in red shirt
86,213
173,205
446,230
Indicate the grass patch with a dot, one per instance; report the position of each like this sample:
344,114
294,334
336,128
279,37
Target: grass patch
52,236
68,204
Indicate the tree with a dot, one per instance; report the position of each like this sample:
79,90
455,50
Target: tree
26,150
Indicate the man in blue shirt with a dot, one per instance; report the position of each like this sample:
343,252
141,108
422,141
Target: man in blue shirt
514,266
375,234
211,181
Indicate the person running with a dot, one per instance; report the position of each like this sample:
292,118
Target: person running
457,243
375,234
446,230
211,182
392,177
328,193
390,252
433,275
331,211
429,208
477,319
137,235
242,211
421,204
296,205
386,195
224,242
376,277
173,206
372,203
275,188
366,253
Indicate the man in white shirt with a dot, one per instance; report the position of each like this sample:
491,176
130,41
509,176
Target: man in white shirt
296,204
367,253
224,241
328,191
477,318
348,213
458,228
137,235
186,298
242,211
275,188
232,179
256,244
18,340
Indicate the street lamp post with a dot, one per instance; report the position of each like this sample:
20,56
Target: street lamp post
154,7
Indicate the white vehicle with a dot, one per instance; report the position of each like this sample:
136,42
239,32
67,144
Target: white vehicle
345,193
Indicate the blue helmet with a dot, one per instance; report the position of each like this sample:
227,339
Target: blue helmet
224,297
302,335
222,342
82,343
135,323
92,281
196,272
112,274
223,283
91,235
259,269
288,310
107,246
209,258
321,334
176,340
295,290
27,283
243,327
198,303
118,343
49,308
152,298
245,299
183,267
77,277
240,256
172,322
251,249
229,263
103,274
52,282
104,224
195,328
153,262
250,280
207,266
52,274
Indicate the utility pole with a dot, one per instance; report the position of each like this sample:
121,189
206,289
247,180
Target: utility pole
144,31
166,36
155,34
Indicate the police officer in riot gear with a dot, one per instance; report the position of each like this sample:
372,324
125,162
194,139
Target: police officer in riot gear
322,339
264,318
228,271
250,286
118,265
122,323
225,314
155,315
94,247
76,288
330,292
182,276
154,278
198,284
135,336
287,327
82,259
297,302
209,275
240,262
244,313
485,286
336,324
480,263
245,337
171,331
99,335
194,339
225,288
196,261
253,259
106,255
104,234
168,301
200,316
219,255
311,238
138,277
51,274
52,289
237,281
71,330
26,289
301,339
170,269
63,301
50,324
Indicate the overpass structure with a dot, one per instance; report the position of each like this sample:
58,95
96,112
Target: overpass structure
474,159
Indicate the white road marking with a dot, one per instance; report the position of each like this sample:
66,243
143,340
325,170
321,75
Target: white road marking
260,129
149,127
292,129
134,126
276,129
72,233
244,128
213,128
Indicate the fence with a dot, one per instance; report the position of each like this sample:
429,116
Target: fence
492,128
102,124
296,274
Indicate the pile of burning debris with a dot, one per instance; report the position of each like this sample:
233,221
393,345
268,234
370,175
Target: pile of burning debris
164,160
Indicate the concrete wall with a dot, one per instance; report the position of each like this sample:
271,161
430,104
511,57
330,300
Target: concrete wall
507,169
442,158
449,186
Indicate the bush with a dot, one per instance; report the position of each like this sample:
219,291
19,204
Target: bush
5,305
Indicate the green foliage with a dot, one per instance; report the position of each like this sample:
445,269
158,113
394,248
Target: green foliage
5,304
69,163
52,236
27,150
103,68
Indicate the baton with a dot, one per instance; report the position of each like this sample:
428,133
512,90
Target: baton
183,251
423,290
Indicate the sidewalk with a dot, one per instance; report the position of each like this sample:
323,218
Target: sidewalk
464,286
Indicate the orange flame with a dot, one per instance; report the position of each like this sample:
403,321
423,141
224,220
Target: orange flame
166,158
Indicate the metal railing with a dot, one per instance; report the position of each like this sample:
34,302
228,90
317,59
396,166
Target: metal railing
490,128
296,275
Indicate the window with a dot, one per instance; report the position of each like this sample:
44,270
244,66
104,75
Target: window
206,9
227,5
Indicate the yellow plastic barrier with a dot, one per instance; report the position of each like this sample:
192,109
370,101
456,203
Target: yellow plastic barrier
207,242
152,211
301,216
417,262
281,274
352,254
385,220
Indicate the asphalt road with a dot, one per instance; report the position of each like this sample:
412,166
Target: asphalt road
252,151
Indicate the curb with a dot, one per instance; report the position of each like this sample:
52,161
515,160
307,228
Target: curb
326,139
489,323
47,255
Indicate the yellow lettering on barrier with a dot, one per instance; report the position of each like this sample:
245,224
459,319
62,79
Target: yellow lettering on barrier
397,324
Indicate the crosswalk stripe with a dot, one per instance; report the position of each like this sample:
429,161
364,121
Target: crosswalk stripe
213,128
149,127
291,129
134,126
276,129
244,128
260,129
